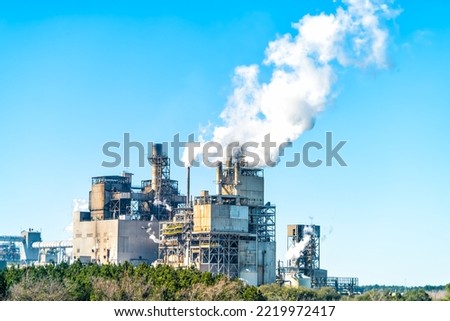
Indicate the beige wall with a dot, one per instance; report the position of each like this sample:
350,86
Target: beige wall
113,241
220,218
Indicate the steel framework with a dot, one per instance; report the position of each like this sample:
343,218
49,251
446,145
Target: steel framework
161,181
262,222
343,285
217,252
309,258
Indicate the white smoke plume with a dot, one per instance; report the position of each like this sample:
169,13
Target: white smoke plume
295,251
149,230
303,71
154,239
163,203
79,204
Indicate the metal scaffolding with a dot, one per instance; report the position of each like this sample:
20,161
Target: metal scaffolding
343,285
309,257
262,222
175,238
217,252
10,248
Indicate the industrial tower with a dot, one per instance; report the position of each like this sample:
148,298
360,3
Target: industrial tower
231,232
122,221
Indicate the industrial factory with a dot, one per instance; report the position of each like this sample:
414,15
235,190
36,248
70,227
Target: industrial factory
231,231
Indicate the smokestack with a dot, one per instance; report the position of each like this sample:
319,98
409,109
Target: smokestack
188,196
228,164
157,150
236,173
219,176
156,166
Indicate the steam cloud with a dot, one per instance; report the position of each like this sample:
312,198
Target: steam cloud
163,203
79,204
303,71
295,251
149,230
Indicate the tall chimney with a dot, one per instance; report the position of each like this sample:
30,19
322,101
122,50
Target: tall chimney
188,196
236,173
219,176
156,166
229,162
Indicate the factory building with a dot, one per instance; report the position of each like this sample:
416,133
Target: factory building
231,232
121,216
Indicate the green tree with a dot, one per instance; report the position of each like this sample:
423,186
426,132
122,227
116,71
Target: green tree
2,284
328,294
447,289
252,293
417,295
223,290
379,295
276,292
127,288
44,289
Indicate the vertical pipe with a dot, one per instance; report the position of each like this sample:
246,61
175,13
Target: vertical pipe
156,168
228,164
236,173
188,197
219,175
263,264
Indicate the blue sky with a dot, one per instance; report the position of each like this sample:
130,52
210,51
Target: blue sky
75,75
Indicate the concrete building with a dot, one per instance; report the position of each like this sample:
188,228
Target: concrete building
112,241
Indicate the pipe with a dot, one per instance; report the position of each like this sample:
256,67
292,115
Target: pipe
228,163
236,173
188,197
263,263
219,175
52,245
156,167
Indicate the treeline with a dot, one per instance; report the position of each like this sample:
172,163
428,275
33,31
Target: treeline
401,289
91,282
